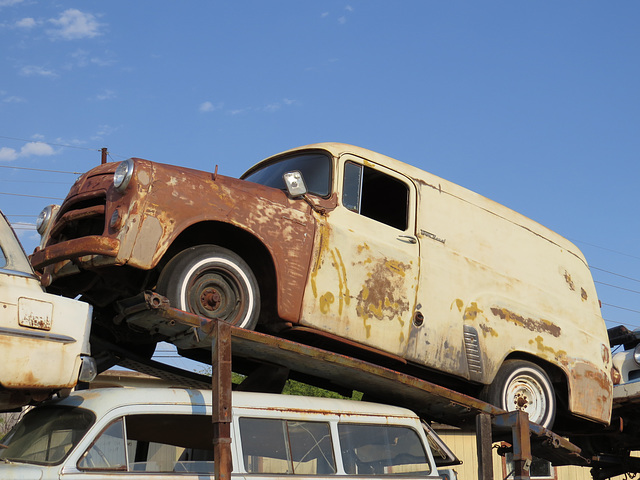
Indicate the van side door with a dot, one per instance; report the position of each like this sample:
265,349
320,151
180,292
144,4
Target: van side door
364,277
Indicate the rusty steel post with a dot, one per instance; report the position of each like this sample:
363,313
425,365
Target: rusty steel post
484,439
103,160
221,393
521,446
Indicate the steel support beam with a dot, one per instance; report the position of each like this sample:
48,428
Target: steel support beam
484,441
221,401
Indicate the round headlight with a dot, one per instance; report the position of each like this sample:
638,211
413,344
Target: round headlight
44,219
636,354
122,176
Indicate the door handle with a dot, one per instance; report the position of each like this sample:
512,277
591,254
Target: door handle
408,239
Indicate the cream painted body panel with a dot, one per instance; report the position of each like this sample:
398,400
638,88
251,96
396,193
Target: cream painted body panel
42,336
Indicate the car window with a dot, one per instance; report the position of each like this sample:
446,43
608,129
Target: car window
46,435
381,449
375,195
154,443
315,169
286,447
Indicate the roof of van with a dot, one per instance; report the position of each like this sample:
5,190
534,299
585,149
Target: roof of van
101,400
444,186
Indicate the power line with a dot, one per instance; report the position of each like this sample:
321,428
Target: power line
621,308
615,286
40,170
605,248
616,274
30,196
49,143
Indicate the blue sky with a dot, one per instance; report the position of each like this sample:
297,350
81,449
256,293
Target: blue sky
534,104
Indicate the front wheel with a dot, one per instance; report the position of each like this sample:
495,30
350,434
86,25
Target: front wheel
212,282
522,385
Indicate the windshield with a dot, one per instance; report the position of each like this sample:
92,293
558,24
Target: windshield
315,168
46,435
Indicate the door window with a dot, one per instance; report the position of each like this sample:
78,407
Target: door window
286,447
381,449
160,443
375,195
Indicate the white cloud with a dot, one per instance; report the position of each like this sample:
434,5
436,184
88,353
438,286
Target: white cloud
209,107
31,149
104,131
34,70
74,24
26,23
38,149
8,3
106,95
8,154
13,99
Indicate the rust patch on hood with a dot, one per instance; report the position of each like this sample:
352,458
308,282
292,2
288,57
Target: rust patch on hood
539,326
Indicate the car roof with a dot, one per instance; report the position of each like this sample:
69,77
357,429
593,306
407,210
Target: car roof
101,400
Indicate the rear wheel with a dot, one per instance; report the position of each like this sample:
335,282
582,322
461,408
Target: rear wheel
522,385
212,282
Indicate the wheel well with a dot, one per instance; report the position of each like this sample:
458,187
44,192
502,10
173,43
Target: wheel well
556,374
247,246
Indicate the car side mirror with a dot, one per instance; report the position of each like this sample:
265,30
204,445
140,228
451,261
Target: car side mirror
295,183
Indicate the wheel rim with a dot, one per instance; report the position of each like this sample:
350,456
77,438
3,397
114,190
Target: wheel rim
526,393
217,290
215,295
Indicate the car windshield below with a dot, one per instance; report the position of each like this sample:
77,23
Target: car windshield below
315,169
46,435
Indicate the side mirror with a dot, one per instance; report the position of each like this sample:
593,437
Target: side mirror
295,183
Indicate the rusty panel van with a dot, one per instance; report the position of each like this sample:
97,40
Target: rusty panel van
339,244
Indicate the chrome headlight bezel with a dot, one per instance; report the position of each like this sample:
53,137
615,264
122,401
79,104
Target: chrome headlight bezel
123,174
636,354
45,217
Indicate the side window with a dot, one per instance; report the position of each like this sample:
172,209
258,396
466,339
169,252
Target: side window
160,443
381,449
286,447
108,451
375,195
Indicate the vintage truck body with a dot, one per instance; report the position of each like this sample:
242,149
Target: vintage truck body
372,252
44,338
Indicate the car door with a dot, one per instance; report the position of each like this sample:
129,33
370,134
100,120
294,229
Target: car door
363,280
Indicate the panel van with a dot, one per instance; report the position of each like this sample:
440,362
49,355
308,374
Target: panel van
162,433
332,242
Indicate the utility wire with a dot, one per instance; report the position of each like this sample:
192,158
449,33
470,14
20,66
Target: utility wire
621,308
616,274
615,286
40,170
30,196
607,249
49,143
